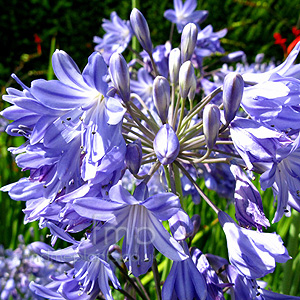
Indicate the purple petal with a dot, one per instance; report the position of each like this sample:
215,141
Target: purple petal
94,73
57,95
120,195
96,208
163,205
163,242
66,70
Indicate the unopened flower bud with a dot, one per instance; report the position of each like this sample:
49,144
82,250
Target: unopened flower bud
119,74
211,124
192,91
161,97
186,78
174,65
233,88
141,29
133,156
188,41
166,145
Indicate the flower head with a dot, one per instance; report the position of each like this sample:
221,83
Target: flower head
185,13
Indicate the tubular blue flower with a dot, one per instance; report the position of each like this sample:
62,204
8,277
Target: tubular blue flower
244,288
30,117
213,283
256,143
84,95
274,102
141,29
208,42
253,253
211,124
184,282
188,41
233,88
161,97
117,37
137,219
85,280
283,175
248,203
185,13
166,144
120,75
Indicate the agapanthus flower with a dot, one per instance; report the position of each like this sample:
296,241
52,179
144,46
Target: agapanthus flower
85,96
244,288
85,280
117,37
137,218
214,284
283,175
208,41
143,86
274,102
248,202
183,14
160,56
253,253
184,282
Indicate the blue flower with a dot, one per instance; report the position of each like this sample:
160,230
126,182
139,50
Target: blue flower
117,37
137,218
184,282
84,95
253,253
274,102
248,202
185,13
244,288
283,175
143,86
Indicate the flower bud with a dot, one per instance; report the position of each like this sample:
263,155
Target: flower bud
174,65
166,145
233,88
141,29
161,97
211,124
186,78
119,74
133,156
188,41
192,91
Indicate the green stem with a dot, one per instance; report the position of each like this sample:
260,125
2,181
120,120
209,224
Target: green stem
201,193
156,279
201,105
135,43
181,115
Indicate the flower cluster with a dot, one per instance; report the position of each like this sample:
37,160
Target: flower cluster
18,267
113,150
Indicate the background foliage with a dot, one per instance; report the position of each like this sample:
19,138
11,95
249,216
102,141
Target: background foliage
71,25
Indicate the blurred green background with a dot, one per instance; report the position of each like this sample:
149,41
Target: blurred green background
71,25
